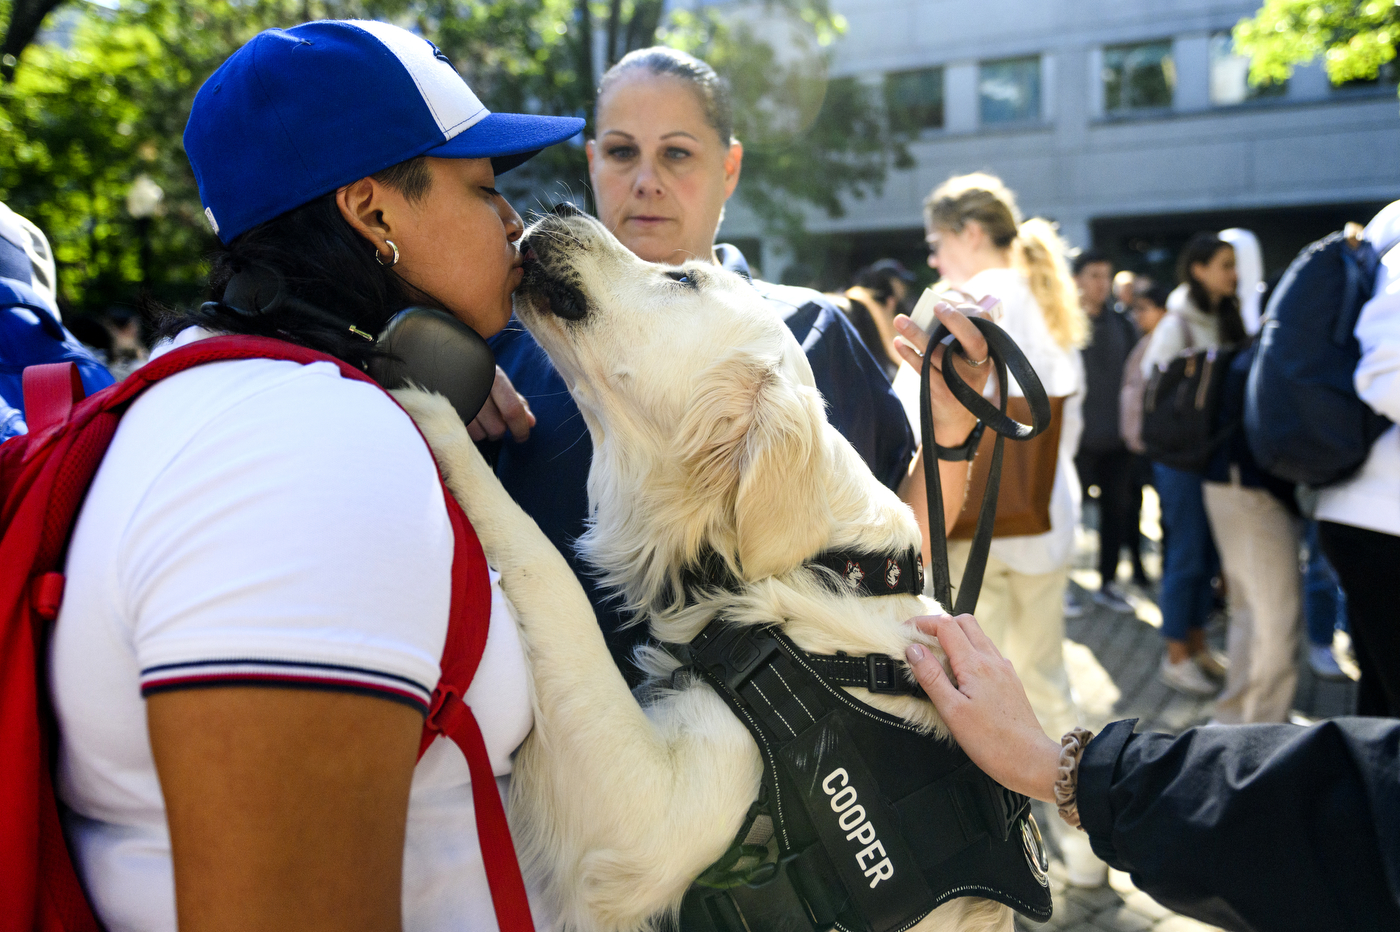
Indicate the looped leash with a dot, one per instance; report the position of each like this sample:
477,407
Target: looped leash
1006,356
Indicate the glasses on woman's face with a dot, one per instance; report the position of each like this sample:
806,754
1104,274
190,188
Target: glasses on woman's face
932,242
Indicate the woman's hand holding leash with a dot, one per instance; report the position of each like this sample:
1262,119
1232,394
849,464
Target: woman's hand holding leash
986,710
952,422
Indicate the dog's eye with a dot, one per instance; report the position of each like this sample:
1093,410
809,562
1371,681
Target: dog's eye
682,278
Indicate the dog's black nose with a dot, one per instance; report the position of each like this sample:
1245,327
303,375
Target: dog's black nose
565,209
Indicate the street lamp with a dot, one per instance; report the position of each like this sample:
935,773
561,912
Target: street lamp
143,201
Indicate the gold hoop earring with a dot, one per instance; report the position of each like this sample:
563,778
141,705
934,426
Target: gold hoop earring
393,261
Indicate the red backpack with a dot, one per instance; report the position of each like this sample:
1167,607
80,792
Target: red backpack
44,477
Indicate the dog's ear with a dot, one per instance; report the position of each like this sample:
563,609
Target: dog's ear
753,441
781,510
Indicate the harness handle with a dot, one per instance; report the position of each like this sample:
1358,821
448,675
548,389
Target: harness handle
1006,356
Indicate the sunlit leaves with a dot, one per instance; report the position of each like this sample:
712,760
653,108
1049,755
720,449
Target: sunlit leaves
1354,38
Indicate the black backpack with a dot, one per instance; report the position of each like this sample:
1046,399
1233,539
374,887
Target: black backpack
1180,407
1302,415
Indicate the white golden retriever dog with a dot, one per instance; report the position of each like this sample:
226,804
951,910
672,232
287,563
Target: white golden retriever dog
708,436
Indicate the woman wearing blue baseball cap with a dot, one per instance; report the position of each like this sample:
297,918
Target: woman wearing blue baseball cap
258,585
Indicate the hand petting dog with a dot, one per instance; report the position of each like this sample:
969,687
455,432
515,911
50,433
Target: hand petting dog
986,710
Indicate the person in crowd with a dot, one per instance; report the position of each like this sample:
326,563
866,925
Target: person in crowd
980,246
1124,289
1258,827
1202,313
128,353
1324,609
1254,521
1148,307
1359,519
663,163
1103,462
877,294
32,331
259,581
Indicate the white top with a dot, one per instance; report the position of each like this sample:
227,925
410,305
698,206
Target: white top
1371,498
264,521
1249,271
1170,336
1061,371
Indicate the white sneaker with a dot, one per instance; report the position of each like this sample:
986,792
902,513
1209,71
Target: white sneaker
1186,677
1213,664
1324,665
1111,597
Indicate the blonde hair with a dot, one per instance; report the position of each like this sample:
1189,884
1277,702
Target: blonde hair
1037,251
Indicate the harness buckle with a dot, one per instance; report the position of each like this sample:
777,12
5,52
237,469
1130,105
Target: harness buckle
746,656
883,675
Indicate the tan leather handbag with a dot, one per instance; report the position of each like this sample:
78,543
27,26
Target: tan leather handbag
1027,478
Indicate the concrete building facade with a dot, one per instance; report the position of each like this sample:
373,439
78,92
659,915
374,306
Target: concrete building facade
1127,121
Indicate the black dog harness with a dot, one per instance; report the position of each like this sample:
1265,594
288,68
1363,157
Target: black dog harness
863,824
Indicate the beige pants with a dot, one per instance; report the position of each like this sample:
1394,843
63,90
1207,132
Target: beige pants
1258,542
1024,615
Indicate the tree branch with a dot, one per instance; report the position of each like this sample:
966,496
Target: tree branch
26,16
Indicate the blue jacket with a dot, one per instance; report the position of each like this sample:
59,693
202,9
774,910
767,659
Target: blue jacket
30,334
548,473
11,422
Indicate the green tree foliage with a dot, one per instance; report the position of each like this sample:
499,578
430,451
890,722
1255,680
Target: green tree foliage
81,119
1354,38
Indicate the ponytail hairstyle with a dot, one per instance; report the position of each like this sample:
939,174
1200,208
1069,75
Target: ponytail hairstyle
328,278
1037,251
714,97
1200,249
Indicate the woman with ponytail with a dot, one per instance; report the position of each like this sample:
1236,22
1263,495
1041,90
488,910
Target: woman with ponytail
980,245
1202,313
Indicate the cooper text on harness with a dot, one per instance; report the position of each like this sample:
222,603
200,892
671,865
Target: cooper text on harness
851,818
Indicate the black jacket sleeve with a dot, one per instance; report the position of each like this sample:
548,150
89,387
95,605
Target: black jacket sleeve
1254,827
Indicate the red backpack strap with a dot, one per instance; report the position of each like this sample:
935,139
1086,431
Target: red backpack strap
451,717
50,392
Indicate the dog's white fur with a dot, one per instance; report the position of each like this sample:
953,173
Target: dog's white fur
708,434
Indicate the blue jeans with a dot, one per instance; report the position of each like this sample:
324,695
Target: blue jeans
1324,603
1189,559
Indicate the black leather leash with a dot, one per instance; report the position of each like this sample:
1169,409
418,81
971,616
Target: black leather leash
1006,355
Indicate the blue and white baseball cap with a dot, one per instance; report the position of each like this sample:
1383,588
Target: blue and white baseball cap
296,113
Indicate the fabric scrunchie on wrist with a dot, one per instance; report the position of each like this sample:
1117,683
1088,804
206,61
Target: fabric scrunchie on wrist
1072,748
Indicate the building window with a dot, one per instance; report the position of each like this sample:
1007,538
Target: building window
1229,75
1009,90
1138,77
914,99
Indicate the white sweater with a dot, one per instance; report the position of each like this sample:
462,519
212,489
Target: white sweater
1371,498
1169,338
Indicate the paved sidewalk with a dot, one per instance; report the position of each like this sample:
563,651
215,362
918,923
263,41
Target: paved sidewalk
1112,659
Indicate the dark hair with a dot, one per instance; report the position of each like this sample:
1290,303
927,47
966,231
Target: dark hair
1155,292
1200,249
879,278
707,85
328,270
1087,257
